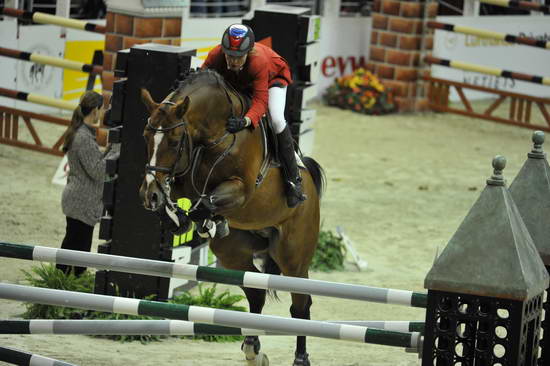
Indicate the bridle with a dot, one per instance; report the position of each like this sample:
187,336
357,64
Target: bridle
194,156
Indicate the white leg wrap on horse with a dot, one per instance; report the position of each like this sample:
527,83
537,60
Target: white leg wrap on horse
277,102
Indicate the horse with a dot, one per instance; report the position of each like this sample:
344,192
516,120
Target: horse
191,155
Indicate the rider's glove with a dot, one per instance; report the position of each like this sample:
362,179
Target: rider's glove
235,124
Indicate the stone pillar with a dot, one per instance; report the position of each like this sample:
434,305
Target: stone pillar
399,40
130,23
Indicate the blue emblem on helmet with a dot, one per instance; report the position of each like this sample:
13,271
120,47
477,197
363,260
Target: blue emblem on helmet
238,31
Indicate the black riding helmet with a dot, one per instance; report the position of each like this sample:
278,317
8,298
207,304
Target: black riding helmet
237,40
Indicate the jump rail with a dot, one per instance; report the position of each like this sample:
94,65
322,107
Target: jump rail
9,121
21,358
229,318
487,70
167,327
510,38
38,99
51,61
517,4
519,108
44,18
209,274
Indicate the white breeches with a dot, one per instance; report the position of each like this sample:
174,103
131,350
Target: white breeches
276,103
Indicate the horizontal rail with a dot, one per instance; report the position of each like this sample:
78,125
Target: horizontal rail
44,18
167,327
440,108
42,117
22,358
51,61
269,323
487,90
487,70
510,38
209,274
38,99
525,5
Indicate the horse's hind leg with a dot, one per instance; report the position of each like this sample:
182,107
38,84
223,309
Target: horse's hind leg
300,309
251,344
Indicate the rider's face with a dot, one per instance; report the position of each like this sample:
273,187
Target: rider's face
235,63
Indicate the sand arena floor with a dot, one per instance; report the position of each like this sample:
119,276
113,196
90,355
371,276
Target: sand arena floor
399,185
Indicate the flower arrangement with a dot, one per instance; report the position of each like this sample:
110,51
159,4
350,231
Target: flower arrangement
361,92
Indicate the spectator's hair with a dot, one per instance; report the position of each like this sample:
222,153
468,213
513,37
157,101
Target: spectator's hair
88,102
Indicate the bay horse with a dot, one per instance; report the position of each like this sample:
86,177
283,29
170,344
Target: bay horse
191,155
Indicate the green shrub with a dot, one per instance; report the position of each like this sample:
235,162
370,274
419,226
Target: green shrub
207,297
330,253
48,276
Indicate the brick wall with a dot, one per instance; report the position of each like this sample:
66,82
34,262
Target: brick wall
124,31
398,39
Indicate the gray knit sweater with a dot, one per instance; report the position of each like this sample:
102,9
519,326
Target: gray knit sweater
82,195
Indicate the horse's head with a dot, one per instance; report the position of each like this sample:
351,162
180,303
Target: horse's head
168,142
189,120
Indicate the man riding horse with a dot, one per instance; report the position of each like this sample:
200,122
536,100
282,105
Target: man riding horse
258,71
197,149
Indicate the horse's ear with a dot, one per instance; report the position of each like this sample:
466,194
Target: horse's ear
148,100
181,108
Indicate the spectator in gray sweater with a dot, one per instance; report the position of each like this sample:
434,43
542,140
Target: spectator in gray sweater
81,200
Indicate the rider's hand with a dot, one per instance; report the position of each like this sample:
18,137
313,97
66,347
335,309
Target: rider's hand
235,124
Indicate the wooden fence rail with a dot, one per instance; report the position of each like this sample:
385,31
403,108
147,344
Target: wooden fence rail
519,113
10,120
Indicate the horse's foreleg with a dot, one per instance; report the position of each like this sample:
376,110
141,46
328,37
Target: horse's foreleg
300,309
251,344
228,195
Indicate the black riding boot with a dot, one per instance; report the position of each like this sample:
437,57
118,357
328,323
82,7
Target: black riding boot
294,194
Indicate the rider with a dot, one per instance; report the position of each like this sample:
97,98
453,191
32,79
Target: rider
257,70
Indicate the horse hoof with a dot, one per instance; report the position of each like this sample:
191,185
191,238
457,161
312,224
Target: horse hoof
260,360
301,360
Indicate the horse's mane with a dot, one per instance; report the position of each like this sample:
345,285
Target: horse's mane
207,76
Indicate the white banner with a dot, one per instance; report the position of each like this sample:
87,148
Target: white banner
494,53
38,78
345,45
8,30
62,172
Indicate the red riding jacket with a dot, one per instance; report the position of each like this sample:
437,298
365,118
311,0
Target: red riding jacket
263,68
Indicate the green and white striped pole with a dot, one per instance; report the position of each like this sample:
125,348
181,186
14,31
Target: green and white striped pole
21,358
217,275
268,323
167,327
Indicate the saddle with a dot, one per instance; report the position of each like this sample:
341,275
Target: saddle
271,150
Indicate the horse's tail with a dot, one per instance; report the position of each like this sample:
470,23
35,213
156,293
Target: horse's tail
317,174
